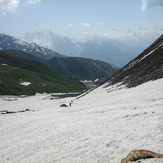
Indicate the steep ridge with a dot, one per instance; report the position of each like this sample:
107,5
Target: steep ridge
147,66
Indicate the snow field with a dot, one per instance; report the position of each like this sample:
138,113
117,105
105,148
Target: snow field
103,126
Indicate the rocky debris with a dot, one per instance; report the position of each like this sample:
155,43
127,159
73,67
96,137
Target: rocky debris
9,99
140,154
11,112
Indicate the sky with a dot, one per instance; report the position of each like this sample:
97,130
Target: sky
81,17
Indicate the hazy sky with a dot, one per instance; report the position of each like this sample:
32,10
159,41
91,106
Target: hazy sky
80,16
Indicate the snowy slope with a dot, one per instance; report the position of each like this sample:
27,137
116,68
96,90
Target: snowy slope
103,126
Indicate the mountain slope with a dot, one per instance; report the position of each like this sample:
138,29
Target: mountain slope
147,66
111,51
21,75
9,42
81,68
55,42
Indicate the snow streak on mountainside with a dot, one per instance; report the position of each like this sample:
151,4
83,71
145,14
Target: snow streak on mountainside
96,47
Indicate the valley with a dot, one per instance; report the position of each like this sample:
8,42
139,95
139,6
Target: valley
104,124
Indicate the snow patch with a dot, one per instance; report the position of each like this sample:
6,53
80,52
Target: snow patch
25,83
19,42
3,64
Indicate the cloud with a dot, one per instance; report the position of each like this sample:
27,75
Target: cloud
151,3
10,6
85,24
141,37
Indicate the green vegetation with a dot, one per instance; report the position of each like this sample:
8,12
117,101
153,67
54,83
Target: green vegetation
15,70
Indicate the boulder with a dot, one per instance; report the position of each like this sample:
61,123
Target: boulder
63,105
140,154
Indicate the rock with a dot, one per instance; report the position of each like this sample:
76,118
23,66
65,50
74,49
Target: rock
10,112
140,154
63,105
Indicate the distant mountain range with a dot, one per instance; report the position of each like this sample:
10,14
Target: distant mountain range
96,47
145,67
75,67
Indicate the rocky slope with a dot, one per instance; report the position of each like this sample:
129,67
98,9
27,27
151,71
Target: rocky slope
147,66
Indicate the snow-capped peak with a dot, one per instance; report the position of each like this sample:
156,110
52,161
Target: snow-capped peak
15,43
